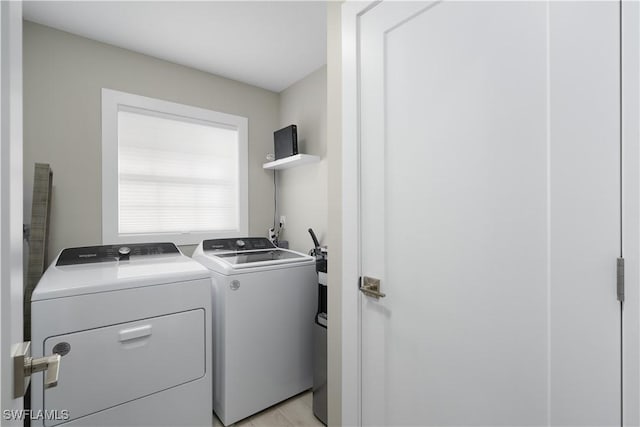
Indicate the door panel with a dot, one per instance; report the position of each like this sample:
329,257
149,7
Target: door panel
490,210
584,207
104,366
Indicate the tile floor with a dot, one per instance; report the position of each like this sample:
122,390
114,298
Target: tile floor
294,412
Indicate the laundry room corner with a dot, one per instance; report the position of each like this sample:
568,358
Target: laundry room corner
302,191
146,186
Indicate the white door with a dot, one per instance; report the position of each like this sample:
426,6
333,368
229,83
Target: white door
489,208
10,202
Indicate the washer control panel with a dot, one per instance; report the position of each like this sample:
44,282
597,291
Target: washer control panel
94,254
241,244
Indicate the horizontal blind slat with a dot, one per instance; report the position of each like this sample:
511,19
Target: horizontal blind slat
176,176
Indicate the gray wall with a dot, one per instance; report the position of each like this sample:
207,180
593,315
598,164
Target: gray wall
334,154
302,190
63,78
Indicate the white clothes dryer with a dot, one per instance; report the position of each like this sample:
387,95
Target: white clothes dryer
132,324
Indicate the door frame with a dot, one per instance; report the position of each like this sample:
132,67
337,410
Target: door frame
11,201
350,295
631,209
351,315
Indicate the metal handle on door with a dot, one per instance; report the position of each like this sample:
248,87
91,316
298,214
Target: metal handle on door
24,365
370,286
134,333
51,364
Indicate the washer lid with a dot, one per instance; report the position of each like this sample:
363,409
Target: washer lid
228,261
260,258
137,268
243,259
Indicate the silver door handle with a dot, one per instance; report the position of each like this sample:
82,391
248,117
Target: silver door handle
51,364
24,365
134,333
370,286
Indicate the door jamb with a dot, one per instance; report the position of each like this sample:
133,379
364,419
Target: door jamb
631,208
11,219
351,314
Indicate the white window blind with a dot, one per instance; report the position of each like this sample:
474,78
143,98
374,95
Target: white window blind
171,172
175,176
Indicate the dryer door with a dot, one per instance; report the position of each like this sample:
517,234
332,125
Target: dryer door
109,366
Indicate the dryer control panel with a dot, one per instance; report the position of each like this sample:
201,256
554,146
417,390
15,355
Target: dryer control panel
237,244
94,254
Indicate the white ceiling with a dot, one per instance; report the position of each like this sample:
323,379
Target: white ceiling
270,44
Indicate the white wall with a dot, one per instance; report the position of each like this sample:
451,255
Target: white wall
63,78
302,191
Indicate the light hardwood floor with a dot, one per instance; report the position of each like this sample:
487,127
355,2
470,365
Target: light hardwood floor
294,412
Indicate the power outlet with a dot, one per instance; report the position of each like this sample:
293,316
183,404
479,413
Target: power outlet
283,220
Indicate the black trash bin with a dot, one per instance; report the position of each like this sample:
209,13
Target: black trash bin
320,335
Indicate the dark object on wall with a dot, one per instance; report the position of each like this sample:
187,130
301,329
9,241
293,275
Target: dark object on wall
285,142
38,236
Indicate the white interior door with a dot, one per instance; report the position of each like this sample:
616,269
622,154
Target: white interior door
490,211
10,201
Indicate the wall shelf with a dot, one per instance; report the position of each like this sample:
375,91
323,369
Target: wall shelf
291,161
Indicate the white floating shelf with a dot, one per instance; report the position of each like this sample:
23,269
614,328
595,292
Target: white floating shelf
291,161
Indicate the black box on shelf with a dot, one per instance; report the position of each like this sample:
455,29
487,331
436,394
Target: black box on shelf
285,142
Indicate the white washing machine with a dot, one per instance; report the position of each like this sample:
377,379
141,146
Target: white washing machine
132,325
264,300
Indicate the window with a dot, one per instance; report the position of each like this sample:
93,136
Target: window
171,172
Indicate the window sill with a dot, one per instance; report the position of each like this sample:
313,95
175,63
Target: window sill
177,238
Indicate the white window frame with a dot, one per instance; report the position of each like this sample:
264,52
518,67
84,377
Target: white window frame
114,101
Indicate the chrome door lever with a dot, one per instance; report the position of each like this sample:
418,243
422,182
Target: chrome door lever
24,366
51,364
371,287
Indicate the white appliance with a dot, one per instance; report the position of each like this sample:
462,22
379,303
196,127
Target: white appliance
132,325
264,300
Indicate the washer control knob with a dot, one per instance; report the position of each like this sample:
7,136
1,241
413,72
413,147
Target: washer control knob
240,243
124,252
